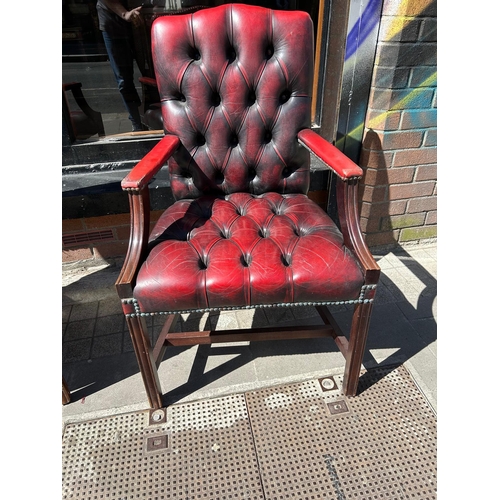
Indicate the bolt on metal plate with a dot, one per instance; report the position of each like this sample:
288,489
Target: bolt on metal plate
157,416
338,406
156,443
327,384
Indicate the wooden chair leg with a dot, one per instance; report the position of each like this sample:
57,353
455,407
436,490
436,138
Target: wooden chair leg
357,345
144,353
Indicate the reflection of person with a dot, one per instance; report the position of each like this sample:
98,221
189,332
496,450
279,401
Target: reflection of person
115,22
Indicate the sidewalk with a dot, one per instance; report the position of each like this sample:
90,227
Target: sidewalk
101,371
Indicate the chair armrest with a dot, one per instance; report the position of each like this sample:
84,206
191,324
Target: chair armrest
347,198
146,80
139,177
331,156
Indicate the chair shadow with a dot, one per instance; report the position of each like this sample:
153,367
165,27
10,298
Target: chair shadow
397,325
394,326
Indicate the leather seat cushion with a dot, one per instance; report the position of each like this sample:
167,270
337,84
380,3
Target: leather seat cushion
244,250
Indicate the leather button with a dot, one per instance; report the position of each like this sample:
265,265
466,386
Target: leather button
285,95
216,100
219,177
200,139
194,53
268,136
246,260
231,55
251,98
269,52
233,140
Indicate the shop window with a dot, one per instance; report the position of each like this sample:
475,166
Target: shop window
85,61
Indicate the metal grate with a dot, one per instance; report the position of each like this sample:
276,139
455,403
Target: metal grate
76,239
295,441
382,447
203,451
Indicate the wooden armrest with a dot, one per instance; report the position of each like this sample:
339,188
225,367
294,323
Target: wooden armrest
331,156
139,177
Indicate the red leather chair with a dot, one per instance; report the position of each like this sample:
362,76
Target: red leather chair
235,86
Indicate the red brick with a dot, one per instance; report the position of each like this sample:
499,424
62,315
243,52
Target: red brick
383,209
112,249
371,225
372,194
122,233
74,254
419,156
375,159
72,225
110,221
421,118
422,204
398,140
402,221
431,217
413,190
386,120
381,177
430,138
426,173
381,239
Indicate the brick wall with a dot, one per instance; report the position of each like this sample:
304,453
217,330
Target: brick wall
107,236
399,151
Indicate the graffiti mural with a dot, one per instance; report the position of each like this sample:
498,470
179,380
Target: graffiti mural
403,22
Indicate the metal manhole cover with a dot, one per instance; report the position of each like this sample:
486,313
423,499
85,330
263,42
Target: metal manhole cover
379,445
289,442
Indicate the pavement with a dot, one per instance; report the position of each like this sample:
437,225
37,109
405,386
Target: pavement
101,371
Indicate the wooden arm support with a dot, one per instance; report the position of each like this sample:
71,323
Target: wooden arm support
347,198
136,183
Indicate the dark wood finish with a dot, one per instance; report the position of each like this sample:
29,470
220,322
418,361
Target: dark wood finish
250,334
347,203
357,344
161,346
66,395
338,336
144,354
139,224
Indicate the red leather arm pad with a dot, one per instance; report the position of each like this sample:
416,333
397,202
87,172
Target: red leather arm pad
332,157
143,172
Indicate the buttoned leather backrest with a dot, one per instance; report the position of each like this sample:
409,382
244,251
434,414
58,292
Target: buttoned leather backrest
235,86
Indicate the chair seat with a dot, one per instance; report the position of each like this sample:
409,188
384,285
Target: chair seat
243,250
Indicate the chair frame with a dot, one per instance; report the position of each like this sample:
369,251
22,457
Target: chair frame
149,357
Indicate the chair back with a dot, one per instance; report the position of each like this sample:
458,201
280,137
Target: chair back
235,85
